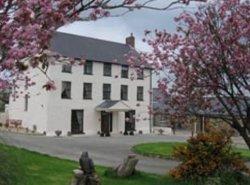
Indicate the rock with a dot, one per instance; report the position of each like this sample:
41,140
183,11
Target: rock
78,173
127,168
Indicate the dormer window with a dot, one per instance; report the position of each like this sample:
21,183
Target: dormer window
66,68
124,71
88,68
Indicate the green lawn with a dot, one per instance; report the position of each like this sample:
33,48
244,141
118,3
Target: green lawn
164,149
23,167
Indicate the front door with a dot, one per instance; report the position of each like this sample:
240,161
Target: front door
130,121
106,122
77,121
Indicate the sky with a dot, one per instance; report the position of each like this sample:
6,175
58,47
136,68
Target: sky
118,28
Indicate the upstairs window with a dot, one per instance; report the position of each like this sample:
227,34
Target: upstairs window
124,71
88,68
139,93
66,90
87,91
124,92
140,74
106,91
66,68
107,69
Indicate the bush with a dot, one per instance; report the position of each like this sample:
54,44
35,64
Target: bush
1,124
58,133
140,132
161,131
34,129
69,133
207,155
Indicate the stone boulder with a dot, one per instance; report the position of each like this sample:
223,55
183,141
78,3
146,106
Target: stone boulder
127,168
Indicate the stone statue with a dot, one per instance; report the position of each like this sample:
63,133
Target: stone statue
86,174
86,164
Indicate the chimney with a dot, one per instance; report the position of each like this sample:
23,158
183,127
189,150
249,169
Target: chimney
131,40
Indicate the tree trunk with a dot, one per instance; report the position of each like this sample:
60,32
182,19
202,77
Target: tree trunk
245,136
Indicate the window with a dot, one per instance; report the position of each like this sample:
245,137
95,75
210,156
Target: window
106,91
88,68
124,92
107,68
66,68
139,93
26,102
140,74
87,91
124,71
66,90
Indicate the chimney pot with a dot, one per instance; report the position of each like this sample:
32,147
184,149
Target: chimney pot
131,40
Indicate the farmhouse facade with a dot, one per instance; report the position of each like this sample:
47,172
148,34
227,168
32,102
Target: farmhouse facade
98,97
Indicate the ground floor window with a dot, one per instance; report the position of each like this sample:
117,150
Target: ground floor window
77,121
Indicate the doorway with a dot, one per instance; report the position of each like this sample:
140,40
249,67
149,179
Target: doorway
106,122
77,121
130,121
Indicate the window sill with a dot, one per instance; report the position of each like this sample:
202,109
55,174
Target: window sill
88,74
67,72
87,99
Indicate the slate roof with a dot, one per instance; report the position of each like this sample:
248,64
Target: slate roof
107,104
74,46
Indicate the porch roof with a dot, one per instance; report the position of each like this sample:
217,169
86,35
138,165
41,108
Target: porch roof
113,105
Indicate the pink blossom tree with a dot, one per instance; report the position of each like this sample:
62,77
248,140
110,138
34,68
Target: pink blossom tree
207,62
26,27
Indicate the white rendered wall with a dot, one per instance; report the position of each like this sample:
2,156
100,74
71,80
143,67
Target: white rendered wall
49,112
37,103
59,110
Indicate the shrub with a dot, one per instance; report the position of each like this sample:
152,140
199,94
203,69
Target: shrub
206,155
58,133
1,124
102,134
69,133
160,131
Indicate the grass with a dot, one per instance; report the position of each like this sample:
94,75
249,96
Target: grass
164,150
22,167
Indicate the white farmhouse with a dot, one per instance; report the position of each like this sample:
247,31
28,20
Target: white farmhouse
96,97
